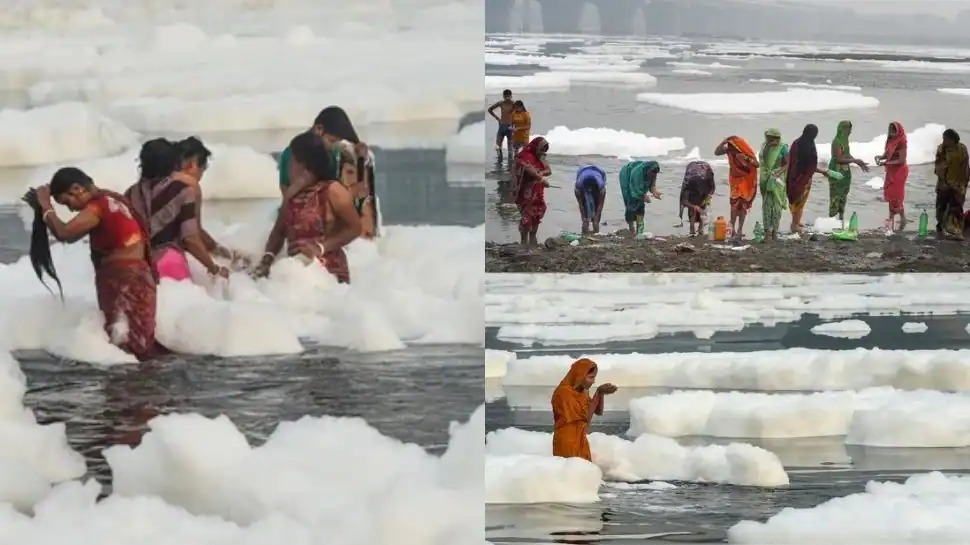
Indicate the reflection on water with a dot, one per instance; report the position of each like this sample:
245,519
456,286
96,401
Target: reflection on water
820,468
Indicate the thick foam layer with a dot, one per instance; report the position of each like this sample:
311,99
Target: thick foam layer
921,146
466,147
553,308
609,143
496,362
523,478
769,102
879,417
543,82
401,293
846,329
929,508
649,457
795,369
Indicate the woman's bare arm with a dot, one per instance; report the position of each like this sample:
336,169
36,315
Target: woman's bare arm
348,226
74,230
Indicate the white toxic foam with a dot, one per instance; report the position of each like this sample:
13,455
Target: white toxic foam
543,82
927,508
846,329
496,362
711,66
467,146
523,478
652,457
795,369
609,143
962,92
879,417
61,132
769,102
915,327
400,294
691,72
921,146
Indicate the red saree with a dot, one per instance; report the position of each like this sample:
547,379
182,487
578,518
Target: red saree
531,195
305,218
894,190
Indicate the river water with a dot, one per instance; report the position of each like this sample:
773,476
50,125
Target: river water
908,96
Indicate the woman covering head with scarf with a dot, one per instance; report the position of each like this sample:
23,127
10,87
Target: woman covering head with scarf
774,170
696,193
573,410
894,159
841,162
802,165
742,177
953,174
638,181
530,186
590,193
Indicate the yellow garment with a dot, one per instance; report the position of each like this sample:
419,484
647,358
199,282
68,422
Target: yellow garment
522,122
570,409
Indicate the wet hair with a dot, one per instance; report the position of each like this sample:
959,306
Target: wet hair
335,121
309,151
952,135
193,148
519,104
507,93
807,152
159,158
40,244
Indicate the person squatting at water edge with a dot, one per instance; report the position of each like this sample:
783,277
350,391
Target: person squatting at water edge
573,409
319,219
506,106
333,126
529,182
125,277
696,193
590,195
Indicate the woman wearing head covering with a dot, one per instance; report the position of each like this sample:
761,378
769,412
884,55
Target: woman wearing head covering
530,186
953,174
841,162
590,193
696,193
802,165
894,159
638,182
774,169
573,409
743,178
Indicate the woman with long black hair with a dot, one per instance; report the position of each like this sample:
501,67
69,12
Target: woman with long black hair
124,276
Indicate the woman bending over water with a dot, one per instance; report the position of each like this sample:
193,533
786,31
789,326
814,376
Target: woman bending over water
124,277
573,410
320,219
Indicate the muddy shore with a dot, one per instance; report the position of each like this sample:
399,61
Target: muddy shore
873,252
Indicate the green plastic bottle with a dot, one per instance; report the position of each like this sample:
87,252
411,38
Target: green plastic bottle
640,226
854,223
570,237
759,232
924,224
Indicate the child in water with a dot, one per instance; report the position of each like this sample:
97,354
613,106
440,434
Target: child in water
521,126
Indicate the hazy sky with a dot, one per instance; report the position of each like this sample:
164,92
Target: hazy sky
946,8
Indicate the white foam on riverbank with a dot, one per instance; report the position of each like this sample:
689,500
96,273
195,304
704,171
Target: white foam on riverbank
402,292
846,329
768,102
609,143
878,417
926,508
531,308
652,457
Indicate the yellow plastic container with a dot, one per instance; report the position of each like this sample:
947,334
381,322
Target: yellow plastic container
720,228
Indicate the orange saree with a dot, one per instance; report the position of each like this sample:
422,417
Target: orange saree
743,175
570,409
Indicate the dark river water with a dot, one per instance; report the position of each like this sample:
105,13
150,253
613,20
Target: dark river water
702,513
909,97
391,390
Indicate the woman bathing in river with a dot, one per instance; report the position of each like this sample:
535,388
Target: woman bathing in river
573,409
638,182
319,220
347,160
696,193
531,178
124,275
590,191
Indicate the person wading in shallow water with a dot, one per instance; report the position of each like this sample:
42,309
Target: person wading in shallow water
124,277
504,133
573,409
529,186
193,163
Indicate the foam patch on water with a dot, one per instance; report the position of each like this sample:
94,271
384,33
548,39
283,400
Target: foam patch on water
57,133
846,329
915,327
691,72
652,457
879,417
543,82
403,292
921,146
794,369
523,478
596,308
961,92
876,183
497,362
32,456
711,66
609,143
927,508
768,102
466,147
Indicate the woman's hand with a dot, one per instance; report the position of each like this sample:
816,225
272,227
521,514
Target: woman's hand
310,249
862,164
44,195
545,181
606,389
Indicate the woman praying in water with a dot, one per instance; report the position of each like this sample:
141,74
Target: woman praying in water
573,409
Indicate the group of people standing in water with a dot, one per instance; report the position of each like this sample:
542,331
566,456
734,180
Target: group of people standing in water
145,234
784,174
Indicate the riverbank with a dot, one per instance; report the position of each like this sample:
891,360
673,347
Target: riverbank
616,252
